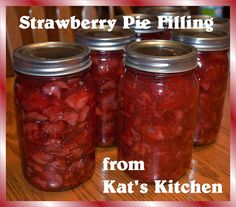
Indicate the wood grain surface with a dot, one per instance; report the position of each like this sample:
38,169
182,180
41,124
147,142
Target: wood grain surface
210,164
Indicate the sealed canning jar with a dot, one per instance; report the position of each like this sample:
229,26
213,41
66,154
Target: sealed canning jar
212,74
167,11
107,50
158,98
55,107
141,33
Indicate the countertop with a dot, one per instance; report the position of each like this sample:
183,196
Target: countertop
210,164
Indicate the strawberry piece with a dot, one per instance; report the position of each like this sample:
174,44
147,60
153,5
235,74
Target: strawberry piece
71,151
40,183
41,157
54,129
78,168
71,117
35,101
83,114
77,100
109,85
83,138
54,180
54,113
32,131
34,116
144,99
58,166
54,89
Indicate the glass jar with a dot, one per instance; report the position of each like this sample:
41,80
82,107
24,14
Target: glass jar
141,33
158,99
212,73
107,49
55,107
167,11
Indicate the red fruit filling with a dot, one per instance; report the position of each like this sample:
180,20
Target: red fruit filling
158,114
53,117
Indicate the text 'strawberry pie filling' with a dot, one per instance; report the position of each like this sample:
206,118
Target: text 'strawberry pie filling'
144,34
158,100
107,50
212,73
55,104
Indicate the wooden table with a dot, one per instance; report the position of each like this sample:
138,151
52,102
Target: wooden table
210,164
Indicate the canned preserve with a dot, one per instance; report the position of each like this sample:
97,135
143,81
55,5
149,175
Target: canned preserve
212,74
158,98
107,50
55,104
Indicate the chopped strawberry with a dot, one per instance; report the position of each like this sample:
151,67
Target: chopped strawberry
77,100
32,131
83,138
71,117
54,180
144,98
41,157
83,114
54,88
58,166
34,116
37,167
40,182
78,168
35,101
54,129
54,113
179,115
108,85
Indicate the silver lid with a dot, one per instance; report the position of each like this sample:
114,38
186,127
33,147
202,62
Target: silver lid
153,25
51,58
202,40
102,40
220,24
167,11
161,56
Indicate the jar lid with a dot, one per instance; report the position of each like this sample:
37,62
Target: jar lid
167,10
102,40
51,58
220,24
161,56
153,23
202,40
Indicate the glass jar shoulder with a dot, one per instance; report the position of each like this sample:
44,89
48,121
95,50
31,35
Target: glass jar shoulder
153,82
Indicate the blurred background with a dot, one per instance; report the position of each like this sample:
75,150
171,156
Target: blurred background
17,37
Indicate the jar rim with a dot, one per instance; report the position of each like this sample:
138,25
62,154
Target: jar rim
161,56
103,40
167,10
51,58
202,40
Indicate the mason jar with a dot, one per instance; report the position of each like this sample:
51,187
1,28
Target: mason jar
107,51
212,74
55,107
141,33
167,11
158,100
